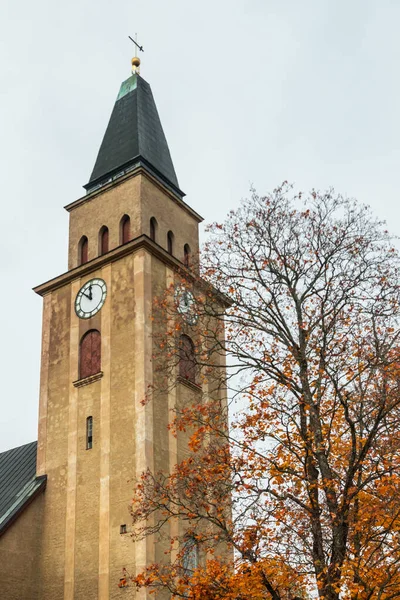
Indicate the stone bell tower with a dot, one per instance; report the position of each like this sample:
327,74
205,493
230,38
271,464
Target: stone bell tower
128,235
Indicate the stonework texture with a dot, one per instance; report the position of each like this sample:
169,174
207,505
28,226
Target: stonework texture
20,547
67,544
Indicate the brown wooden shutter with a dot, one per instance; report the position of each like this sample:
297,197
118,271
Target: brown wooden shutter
104,241
96,352
84,251
187,359
126,230
90,354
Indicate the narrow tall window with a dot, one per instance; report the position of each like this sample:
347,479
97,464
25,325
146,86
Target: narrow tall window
89,433
170,242
103,240
125,229
83,250
90,354
186,255
190,557
153,229
187,359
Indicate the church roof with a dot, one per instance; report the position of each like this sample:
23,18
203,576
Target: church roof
134,136
18,482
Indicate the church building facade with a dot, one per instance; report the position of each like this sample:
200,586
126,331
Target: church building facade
64,501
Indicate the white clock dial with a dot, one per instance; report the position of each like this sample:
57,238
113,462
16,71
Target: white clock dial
90,298
186,305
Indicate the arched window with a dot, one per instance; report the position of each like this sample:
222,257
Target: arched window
186,255
90,354
125,226
187,359
170,242
89,433
153,229
83,247
103,240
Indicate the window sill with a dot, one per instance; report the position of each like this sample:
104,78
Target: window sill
188,383
87,380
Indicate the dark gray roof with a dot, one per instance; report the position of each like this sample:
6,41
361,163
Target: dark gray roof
18,481
134,135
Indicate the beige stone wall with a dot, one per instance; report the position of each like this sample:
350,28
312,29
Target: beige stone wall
140,198
20,547
89,491
105,208
123,412
55,445
86,558
170,217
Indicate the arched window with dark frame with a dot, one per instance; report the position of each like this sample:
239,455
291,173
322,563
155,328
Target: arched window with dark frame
153,229
90,354
83,250
186,255
170,242
125,229
187,359
103,240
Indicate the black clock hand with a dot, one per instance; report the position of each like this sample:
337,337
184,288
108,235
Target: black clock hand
90,293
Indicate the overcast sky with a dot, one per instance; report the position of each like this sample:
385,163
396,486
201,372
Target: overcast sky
250,92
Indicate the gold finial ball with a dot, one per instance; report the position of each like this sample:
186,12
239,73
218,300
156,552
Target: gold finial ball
135,62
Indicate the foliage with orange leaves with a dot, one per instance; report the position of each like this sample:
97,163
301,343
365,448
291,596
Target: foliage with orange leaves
299,498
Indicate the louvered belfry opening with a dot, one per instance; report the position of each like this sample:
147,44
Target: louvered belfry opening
104,240
90,354
125,229
170,242
187,359
83,250
186,253
153,229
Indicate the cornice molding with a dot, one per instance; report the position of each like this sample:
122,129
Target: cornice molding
87,380
140,170
190,384
143,241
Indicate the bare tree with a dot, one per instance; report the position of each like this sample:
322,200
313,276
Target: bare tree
302,298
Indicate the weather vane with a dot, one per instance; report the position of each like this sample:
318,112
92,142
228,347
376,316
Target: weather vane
136,44
136,61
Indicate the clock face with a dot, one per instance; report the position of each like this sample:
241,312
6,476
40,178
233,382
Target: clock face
90,298
186,305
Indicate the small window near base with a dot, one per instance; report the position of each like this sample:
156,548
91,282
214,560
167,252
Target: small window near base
89,433
122,529
190,556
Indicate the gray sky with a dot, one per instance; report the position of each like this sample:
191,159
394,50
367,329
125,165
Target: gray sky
249,92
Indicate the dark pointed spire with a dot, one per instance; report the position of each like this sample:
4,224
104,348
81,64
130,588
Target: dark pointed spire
134,137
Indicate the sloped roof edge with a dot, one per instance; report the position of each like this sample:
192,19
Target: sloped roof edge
28,493
19,484
134,132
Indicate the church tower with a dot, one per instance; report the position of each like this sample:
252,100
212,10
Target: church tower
128,235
